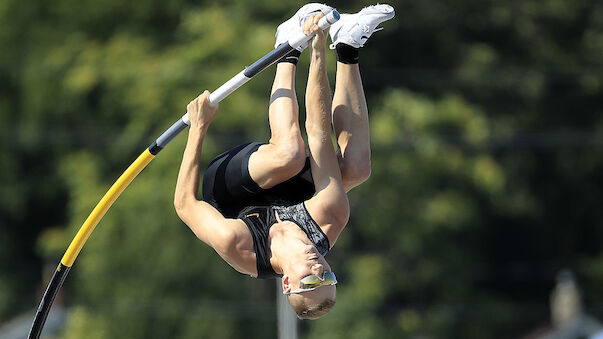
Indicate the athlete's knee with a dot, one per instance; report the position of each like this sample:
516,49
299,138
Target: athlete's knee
290,155
356,168
292,160
357,174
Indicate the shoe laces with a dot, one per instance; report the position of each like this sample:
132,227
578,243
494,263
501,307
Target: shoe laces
367,29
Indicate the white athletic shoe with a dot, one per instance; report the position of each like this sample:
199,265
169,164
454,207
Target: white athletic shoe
293,26
355,29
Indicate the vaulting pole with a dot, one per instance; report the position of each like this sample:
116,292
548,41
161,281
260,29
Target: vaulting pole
143,160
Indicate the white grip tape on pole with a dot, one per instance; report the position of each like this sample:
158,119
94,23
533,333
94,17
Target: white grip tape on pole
223,91
228,87
238,80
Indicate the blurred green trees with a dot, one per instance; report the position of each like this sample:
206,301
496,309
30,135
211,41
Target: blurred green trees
486,130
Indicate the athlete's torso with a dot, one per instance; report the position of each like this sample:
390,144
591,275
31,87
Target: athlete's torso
252,254
228,187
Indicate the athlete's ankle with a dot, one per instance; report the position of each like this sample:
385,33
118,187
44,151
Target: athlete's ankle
347,54
292,57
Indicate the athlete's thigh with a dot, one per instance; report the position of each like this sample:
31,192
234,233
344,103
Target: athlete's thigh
271,165
226,182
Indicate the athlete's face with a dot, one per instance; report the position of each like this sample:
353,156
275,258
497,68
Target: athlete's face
310,263
306,260
303,260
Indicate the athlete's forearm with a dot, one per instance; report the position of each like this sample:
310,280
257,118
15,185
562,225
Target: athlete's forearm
323,160
329,206
188,177
201,113
318,96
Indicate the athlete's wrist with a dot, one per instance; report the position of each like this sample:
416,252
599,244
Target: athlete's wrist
199,128
318,54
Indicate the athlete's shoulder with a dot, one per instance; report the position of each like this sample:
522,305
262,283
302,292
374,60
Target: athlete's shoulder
330,214
235,246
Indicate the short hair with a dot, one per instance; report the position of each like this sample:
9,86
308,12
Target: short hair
306,312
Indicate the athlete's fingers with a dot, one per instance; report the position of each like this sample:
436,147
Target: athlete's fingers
315,20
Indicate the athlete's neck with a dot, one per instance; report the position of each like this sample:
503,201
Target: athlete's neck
284,237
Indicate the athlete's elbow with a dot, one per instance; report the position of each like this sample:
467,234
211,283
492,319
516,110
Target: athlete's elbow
224,241
179,202
180,211
344,210
340,209
182,205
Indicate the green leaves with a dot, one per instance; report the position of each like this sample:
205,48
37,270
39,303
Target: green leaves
486,153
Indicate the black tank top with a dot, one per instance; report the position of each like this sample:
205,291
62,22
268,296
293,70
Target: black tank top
259,220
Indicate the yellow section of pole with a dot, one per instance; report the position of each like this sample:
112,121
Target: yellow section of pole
101,208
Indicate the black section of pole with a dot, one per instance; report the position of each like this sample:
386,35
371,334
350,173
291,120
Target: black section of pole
61,273
255,68
154,148
52,290
167,136
171,133
268,60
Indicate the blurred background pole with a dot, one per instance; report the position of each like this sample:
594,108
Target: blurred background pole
286,318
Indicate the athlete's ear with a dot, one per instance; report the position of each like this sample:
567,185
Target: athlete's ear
286,284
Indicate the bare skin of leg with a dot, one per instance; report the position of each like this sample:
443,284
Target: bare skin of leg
284,156
350,120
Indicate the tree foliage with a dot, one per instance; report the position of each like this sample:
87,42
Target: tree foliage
486,140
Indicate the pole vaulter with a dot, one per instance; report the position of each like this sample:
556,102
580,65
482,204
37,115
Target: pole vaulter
143,160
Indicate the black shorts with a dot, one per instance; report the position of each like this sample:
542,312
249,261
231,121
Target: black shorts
228,186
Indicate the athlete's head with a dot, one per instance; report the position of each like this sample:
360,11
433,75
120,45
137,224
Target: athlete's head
308,281
313,304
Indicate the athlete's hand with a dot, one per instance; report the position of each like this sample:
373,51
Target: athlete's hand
310,26
320,39
200,112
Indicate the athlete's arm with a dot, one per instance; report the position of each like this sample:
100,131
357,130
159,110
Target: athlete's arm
204,220
329,207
